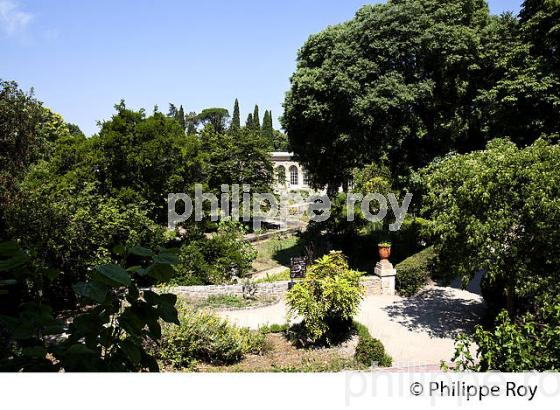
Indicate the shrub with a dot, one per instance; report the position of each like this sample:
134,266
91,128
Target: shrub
116,321
217,259
413,272
74,231
327,298
528,344
498,210
204,336
274,328
370,350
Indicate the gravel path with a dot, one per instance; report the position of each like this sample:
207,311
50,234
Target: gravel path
417,331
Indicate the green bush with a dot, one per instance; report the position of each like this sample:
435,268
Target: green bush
528,344
370,350
203,336
497,210
413,272
112,328
215,260
327,299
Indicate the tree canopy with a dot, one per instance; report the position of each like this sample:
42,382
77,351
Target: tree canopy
411,80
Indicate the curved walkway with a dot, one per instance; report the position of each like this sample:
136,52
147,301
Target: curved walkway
416,331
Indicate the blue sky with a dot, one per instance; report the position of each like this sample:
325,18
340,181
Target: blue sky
82,57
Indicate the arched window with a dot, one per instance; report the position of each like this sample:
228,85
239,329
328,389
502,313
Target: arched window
305,177
294,177
281,174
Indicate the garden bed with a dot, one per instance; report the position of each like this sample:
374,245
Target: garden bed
280,355
230,302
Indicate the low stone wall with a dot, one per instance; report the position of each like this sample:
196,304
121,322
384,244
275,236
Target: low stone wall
372,284
272,289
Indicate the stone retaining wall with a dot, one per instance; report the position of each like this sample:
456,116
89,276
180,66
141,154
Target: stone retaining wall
272,289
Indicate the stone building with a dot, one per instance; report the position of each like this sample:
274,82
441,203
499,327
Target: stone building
289,174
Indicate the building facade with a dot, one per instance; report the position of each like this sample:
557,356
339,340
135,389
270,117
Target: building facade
289,175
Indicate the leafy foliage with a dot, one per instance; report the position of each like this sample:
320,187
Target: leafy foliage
498,210
529,344
215,259
409,81
203,336
414,272
327,298
108,334
370,351
216,117
239,157
28,133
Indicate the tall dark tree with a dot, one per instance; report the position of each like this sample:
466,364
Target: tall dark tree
180,116
541,28
256,119
235,120
267,130
249,123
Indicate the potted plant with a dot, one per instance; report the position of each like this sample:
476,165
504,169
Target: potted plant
384,249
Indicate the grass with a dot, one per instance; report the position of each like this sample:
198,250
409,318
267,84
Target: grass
276,252
223,301
275,277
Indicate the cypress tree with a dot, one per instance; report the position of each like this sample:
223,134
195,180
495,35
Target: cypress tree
256,119
249,124
235,121
267,130
180,116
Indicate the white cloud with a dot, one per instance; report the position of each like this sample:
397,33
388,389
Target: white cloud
12,19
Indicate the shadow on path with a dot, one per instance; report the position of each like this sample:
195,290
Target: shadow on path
437,311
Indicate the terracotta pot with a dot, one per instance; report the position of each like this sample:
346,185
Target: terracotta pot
384,252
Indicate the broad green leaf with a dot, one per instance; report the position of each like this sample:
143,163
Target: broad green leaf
130,349
161,272
92,290
16,261
112,275
141,251
169,258
8,282
151,298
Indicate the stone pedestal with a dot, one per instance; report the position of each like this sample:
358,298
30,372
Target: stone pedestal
384,269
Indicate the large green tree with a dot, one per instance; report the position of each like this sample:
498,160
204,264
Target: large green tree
524,102
217,117
401,81
498,210
28,133
239,158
